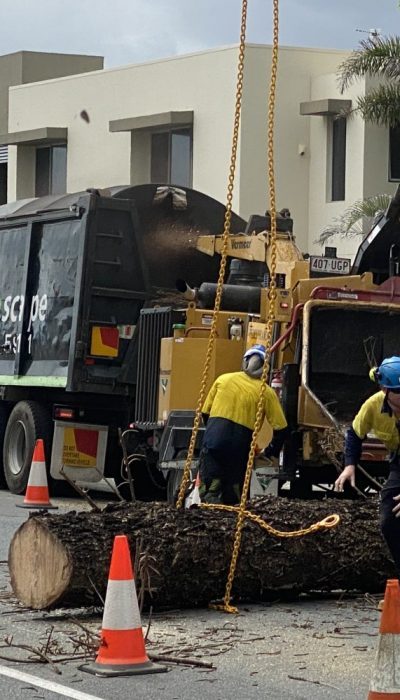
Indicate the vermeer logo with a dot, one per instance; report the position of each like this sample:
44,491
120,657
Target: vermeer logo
241,245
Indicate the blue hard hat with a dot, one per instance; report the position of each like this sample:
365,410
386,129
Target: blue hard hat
388,373
259,350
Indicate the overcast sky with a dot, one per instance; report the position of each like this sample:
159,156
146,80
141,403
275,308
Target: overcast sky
129,31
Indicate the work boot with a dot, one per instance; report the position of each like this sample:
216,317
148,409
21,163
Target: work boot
210,493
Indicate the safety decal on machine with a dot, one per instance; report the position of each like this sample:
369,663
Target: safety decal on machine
80,447
104,341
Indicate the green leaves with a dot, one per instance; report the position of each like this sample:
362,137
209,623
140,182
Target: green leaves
357,218
377,57
381,105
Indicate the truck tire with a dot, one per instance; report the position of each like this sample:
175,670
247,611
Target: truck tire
173,484
28,422
4,413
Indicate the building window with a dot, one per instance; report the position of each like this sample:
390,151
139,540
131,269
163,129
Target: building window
51,170
3,174
3,183
394,153
171,157
338,159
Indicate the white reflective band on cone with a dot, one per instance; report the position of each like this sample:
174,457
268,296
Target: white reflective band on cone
386,676
121,610
37,474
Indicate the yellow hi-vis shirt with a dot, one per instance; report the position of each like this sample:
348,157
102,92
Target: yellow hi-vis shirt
234,396
371,419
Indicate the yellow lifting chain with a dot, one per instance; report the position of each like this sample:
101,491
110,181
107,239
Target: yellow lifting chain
227,607
330,521
325,524
221,276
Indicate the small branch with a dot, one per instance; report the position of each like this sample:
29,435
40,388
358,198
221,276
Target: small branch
307,680
149,623
38,653
95,589
46,649
183,661
81,492
20,661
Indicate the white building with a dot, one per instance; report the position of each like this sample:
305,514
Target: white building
172,121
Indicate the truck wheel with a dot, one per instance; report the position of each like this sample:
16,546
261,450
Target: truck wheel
4,413
173,484
28,422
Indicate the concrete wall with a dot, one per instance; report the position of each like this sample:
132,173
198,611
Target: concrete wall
296,68
322,211
204,83
367,163
376,157
44,66
30,66
10,74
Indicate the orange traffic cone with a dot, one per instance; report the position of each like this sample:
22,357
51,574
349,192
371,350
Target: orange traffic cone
37,491
385,683
193,499
122,651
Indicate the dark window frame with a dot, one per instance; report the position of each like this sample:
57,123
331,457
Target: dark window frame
338,159
3,182
47,186
167,135
394,139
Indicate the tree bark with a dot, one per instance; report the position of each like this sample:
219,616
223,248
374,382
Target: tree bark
64,559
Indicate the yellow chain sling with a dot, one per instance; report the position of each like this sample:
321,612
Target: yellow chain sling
332,520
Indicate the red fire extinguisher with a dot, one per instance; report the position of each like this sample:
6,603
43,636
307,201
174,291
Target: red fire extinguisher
277,382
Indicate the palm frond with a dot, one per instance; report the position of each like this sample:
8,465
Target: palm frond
381,105
379,56
356,217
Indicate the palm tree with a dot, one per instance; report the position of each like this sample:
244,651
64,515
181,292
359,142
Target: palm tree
377,57
357,219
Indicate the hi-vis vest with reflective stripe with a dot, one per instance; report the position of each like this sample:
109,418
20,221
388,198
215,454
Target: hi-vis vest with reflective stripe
371,419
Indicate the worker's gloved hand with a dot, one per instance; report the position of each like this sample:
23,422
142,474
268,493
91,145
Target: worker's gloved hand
396,509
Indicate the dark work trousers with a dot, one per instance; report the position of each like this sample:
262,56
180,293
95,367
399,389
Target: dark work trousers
224,456
390,525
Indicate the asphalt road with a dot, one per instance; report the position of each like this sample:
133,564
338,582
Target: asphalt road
308,649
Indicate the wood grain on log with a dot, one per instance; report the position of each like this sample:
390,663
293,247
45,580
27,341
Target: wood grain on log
60,559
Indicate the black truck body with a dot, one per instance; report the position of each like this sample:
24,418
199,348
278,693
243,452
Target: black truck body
76,272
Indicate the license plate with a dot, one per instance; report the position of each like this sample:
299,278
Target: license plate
331,266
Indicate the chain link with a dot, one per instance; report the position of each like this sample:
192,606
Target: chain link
227,607
221,276
326,524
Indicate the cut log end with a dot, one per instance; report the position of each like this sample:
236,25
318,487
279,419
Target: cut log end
39,564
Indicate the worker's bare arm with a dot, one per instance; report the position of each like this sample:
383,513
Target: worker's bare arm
348,474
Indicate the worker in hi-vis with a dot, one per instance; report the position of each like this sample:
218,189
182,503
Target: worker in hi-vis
380,414
229,413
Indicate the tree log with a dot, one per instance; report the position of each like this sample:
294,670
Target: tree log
64,559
